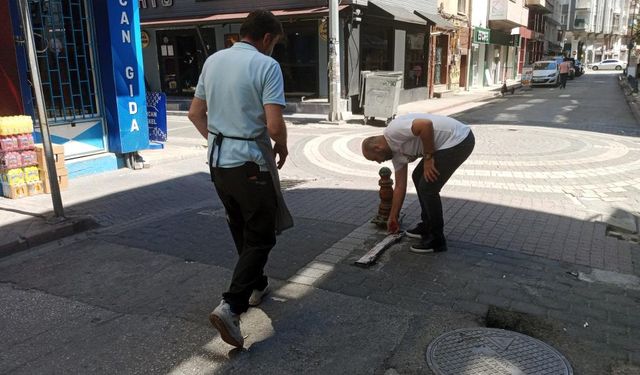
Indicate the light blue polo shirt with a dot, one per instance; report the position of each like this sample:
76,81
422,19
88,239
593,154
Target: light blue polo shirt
236,83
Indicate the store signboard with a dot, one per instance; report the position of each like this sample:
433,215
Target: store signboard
157,116
481,35
120,52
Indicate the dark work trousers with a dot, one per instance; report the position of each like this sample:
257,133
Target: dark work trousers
249,199
563,80
446,162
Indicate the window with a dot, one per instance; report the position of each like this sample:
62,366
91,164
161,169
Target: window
579,23
462,6
415,70
297,54
544,66
376,47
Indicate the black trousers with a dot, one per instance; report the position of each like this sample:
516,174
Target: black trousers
446,162
249,199
563,79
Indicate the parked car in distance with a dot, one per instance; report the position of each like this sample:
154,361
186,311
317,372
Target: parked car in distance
609,64
545,73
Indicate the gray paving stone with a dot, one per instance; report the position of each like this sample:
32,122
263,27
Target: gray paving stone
490,299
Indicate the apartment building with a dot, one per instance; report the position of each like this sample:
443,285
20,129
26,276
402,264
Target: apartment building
595,30
499,27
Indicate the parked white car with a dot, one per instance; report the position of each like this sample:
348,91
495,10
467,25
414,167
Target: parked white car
546,73
609,64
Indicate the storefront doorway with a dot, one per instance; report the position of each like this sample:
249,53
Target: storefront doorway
298,55
441,58
181,55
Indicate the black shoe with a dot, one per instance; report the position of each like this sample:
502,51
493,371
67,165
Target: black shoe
433,246
417,232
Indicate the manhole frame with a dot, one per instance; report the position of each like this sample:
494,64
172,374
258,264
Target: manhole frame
429,354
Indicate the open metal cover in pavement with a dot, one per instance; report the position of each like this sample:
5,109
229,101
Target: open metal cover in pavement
490,351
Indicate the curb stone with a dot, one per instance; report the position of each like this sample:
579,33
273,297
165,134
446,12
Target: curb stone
53,231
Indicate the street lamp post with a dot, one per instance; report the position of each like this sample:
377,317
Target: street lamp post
30,47
335,114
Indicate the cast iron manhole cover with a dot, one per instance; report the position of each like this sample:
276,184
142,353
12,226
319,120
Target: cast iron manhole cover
490,351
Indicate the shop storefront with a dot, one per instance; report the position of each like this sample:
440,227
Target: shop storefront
502,57
181,35
92,81
479,45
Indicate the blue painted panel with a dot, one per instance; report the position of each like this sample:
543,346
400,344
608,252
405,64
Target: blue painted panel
157,115
84,138
121,64
92,165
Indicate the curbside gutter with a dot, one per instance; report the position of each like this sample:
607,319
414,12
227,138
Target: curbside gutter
48,231
631,97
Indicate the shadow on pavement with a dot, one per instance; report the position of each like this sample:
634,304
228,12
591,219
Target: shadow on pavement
134,296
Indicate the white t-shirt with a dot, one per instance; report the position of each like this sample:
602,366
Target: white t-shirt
406,147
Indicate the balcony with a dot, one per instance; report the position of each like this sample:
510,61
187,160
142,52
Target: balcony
583,4
506,14
541,6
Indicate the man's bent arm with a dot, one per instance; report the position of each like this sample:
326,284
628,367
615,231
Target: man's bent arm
198,116
275,123
399,192
423,129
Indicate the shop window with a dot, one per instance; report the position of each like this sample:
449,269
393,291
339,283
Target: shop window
376,48
181,55
64,53
415,70
297,54
462,6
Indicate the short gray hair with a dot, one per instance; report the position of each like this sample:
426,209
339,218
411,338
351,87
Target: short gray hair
368,144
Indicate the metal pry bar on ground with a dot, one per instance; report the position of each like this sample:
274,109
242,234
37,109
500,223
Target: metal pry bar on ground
373,254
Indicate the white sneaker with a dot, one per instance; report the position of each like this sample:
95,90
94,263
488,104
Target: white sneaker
257,296
228,324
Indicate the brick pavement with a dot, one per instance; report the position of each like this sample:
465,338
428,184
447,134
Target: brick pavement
513,234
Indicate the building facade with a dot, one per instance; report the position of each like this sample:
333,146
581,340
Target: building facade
499,26
595,30
389,35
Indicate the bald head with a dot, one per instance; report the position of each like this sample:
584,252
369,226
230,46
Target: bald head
376,149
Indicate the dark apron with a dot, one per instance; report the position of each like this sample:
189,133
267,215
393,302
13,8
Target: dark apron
284,220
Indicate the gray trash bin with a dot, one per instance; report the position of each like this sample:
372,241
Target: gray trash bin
381,93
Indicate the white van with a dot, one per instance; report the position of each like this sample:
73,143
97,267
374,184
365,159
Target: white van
546,73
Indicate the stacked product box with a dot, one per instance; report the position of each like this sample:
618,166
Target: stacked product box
61,170
19,175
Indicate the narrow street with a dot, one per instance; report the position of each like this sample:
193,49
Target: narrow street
525,216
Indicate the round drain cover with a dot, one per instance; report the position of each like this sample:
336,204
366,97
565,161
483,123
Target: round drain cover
490,351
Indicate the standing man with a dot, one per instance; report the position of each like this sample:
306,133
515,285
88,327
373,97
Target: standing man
565,66
443,144
238,107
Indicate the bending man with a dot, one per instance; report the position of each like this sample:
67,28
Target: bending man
444,144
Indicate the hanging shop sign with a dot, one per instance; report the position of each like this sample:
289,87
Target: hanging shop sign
481,35
120,53
144,4
157,116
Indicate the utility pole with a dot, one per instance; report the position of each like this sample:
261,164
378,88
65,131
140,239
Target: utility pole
335,114
30,47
